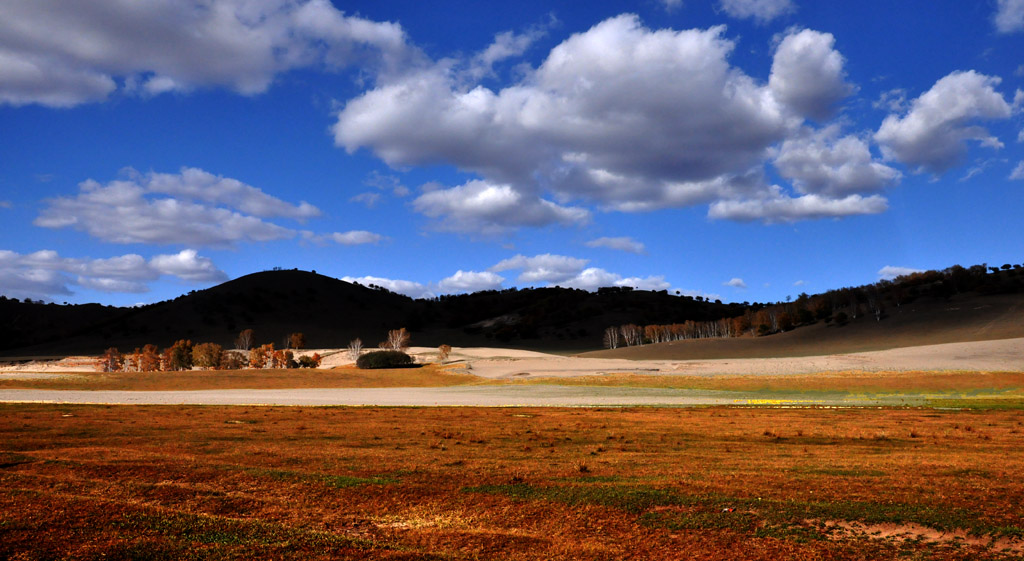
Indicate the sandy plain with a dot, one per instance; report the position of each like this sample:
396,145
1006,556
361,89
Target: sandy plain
491,364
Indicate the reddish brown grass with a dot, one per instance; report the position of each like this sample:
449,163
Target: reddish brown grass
150,482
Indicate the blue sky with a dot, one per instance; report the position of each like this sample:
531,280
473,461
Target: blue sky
746,150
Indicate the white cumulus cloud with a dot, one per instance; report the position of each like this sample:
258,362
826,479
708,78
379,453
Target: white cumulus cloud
1018,172
470,281
45,274
552,269
1009,16
193,207
593,278
572,272
620,244
481,207
167,45
890,272
621,117
808,75
820,162
776,206
411,289
760,10
933,134
355,237
735,282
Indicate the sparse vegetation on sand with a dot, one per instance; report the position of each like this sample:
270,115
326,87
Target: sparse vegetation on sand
344,377
123,482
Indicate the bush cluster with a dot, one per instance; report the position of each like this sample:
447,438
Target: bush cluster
385,359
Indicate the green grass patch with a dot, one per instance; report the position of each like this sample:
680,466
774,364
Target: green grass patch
217,530
838,472
335,481
667,508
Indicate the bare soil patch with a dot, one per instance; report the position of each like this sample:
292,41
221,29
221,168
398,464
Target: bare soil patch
130,482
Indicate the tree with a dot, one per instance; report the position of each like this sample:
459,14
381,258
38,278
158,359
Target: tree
179,355
631,334
384,359
398,339
207,355
611,338
297,341
259,356
150,359
245,340
133,362
113,360
355,348
306,361
232,361
442,353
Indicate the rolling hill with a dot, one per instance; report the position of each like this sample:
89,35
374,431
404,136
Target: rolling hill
928,321
331,312
952,305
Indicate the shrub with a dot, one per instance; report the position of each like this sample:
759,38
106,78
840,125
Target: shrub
384,359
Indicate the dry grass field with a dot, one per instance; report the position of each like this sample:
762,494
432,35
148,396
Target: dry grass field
152,482
945,388
429,375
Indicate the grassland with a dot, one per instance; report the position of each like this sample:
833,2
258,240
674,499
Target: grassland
151,482
950,389
429,375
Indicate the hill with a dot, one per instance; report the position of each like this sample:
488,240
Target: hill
954,305
331,312
927,321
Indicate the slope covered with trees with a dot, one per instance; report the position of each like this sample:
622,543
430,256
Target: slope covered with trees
275,305
953,305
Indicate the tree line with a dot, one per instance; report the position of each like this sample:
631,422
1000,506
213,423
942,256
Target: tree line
838,306
184,355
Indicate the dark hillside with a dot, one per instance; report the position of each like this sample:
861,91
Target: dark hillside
956,304
927,320
331,313
274,303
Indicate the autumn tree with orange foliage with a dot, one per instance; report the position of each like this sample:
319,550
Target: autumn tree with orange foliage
259,356
207,355
149,360
113,360
297,341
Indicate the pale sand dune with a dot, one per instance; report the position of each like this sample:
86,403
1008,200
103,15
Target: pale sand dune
1002,355
493,363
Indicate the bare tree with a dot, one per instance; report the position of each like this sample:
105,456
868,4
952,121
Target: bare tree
632,334
398,339
611,338
244,340
355,347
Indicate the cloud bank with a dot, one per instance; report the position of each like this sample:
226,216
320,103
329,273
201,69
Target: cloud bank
45,274
159,46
